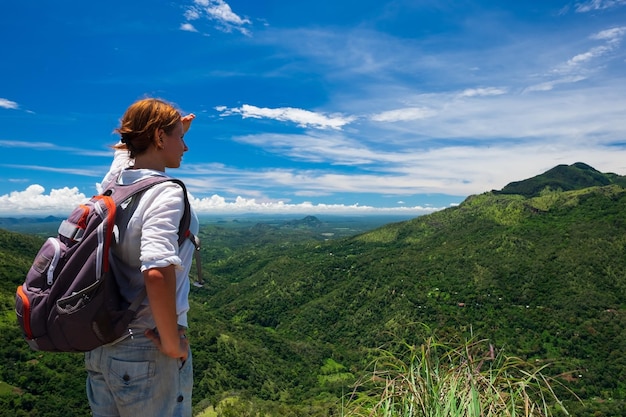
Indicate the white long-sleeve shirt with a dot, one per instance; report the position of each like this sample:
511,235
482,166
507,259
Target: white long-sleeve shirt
147,237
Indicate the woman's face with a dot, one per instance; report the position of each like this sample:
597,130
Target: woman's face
174,147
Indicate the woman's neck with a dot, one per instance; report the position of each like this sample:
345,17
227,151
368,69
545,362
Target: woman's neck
149,160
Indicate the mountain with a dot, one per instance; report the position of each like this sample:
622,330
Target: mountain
541,276
311,222
564,178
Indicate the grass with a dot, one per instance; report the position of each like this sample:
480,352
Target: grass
8,389
468,379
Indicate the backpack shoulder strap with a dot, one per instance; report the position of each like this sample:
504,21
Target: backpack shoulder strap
122,192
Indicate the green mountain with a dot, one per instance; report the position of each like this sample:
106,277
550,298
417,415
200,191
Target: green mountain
564,178
288,326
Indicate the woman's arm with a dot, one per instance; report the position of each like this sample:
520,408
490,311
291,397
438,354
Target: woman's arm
121,161
160,260
161,290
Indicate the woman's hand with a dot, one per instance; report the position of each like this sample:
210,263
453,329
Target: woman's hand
187,121
182,354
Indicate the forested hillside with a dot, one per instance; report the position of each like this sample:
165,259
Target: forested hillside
286,327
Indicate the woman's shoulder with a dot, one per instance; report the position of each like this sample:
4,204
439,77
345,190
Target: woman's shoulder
165,192
169,189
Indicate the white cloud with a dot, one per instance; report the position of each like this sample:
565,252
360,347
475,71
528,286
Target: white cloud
549,85
611,35
219,205
584,65
25,144
418,113
303,118
592,5
34,201
587,56
576,64
315,147
481,92
47,146
221,11
89,172
192,14
217,11
8,104
188,27
399,115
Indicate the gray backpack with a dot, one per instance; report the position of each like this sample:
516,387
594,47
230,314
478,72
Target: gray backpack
69,301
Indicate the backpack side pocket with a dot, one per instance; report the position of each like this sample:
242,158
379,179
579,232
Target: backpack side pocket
22,310
31,307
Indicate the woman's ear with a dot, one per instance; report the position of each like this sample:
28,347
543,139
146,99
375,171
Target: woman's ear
158,138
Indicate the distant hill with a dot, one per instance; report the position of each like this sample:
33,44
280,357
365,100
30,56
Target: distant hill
26,220
310,222
563,178
541,276
42,226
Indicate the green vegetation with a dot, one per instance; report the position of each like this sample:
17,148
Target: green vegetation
287,322
462,379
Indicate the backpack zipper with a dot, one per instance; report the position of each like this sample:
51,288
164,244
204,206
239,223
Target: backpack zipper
54,262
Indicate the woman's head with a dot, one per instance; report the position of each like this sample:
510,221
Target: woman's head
141,122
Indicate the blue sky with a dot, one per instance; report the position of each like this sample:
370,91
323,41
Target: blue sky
318,106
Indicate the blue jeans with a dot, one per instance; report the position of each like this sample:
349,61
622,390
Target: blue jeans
133,378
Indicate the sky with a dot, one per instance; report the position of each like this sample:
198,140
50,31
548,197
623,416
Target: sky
310,107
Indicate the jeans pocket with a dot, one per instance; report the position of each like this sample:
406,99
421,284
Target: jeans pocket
131,381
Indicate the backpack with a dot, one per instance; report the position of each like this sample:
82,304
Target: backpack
70,301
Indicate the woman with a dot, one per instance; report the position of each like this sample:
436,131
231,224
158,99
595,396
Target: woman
149,371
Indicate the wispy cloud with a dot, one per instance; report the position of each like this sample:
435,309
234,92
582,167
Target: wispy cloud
218,12
8,104
336,149
95,172
30,145
582,65
483,92
302,118
612,37
550,85
593,5
48,146
405,114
